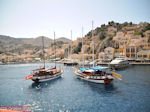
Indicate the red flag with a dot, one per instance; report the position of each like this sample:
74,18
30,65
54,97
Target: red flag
54,67
29,77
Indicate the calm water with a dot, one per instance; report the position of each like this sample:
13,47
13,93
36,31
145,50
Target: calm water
71,94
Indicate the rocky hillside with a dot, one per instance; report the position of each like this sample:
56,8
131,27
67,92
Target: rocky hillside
103,35
11,44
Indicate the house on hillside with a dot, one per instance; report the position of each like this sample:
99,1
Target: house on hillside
144,55
131,51
147,33
111,30
107,55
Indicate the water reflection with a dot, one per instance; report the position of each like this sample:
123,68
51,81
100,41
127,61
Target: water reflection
100,88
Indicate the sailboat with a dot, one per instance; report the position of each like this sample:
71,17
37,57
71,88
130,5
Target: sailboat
96,74
70,62
42,74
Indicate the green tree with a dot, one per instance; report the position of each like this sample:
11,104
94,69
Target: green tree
78,48
111,23
139,33
147,27
101,36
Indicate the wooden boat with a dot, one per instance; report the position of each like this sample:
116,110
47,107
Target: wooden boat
94,74
41,74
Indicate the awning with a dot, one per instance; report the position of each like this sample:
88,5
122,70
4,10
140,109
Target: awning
83,69
98,68
89,70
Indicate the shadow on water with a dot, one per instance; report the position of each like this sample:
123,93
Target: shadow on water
100,88
123,69
45,84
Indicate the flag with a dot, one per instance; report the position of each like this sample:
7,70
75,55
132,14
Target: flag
54,67
29,77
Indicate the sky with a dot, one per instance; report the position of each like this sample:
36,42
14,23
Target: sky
33,18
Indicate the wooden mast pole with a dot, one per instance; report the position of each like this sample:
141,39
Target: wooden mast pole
43,51
71,47
82,48
55,49
93,42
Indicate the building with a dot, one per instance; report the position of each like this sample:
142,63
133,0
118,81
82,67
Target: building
111,30
107,55
109,51
144,55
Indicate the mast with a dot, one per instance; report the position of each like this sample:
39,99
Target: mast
93,42
68,51
43,51
83,48
71,46
55,49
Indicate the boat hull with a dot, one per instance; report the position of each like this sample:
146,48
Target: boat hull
102,81
118,66
46,78
70,63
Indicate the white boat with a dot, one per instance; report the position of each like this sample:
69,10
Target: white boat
70,62
94,74
119,63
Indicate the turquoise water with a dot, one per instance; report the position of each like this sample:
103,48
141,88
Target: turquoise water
70,94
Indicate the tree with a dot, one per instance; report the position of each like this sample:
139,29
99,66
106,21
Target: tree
130,24
78,48
139,33
147,27
101,36
111,37
125,24
111,23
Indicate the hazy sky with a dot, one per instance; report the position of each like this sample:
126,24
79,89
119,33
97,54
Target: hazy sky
32,18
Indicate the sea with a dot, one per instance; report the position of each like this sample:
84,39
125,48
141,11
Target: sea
70,94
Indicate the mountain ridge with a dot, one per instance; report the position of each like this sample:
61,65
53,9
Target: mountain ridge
9,44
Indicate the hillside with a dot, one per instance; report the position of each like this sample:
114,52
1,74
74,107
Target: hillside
104,36
111,36
8,43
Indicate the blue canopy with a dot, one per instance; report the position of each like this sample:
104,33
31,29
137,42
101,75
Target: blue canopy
98,68
83,69
79,71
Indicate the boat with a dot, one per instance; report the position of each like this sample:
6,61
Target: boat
95,74
42,74
119,63
70,62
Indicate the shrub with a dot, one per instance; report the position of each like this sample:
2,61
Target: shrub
101,36
139,33
78,48
147,27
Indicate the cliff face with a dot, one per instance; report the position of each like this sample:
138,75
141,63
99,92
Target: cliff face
104,35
